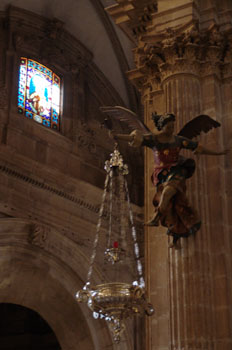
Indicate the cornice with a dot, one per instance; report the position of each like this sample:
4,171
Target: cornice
133,16
43,186
155,25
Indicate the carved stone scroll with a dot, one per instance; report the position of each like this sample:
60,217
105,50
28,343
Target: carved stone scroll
38,235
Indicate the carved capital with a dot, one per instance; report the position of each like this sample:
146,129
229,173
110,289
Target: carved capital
181,50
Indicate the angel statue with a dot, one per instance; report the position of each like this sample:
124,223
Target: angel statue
171,169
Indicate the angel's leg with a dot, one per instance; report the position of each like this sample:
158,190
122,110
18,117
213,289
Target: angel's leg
154,221
167,194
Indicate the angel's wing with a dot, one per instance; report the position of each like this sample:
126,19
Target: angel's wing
127,116
198,124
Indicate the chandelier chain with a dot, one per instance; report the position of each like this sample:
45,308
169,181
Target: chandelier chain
122,182
134,236
110,208
115,301
89,275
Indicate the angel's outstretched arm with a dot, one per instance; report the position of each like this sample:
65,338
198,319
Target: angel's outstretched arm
203,150
135,138
122,137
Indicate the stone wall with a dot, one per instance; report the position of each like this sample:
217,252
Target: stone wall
51,182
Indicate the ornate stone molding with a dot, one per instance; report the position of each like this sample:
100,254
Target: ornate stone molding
93,209
85,138
47,40
49,188
184,49
133,15
38,235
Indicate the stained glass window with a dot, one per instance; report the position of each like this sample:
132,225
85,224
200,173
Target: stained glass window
39,93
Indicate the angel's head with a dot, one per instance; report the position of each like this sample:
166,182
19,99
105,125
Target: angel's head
162,120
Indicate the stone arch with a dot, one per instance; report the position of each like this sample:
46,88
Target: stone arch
33,277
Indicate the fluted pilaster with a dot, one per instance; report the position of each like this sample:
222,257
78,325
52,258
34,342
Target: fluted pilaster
191,321
184,66
182,74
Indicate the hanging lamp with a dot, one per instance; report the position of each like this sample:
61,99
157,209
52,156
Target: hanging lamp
118,299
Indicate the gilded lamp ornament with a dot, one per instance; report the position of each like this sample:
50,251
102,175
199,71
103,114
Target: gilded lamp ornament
118,300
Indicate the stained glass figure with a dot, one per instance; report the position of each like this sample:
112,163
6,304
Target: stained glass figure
39,93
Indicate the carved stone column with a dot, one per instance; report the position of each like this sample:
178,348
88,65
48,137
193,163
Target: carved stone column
184,67
182,96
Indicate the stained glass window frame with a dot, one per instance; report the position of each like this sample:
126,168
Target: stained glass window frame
48,114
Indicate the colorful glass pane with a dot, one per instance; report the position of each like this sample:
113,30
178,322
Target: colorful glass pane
39,93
